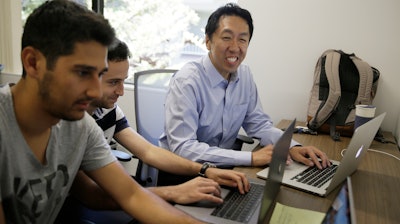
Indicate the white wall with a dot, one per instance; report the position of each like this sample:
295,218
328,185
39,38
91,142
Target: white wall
127,104
10,35
397,133
289,36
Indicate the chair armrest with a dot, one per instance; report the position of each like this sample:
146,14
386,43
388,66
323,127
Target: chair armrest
245,139
240,139
121,156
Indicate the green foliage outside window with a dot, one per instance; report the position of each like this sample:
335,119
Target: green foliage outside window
156,31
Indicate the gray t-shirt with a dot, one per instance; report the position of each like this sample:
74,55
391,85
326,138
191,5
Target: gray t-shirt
32,192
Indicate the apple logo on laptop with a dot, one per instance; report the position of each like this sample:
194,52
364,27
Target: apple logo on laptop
359,151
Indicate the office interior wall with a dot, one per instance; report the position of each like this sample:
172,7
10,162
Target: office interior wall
9,78
289,36
397,132
127,104
10,35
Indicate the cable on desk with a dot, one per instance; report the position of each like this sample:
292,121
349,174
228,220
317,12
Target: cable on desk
373,150
342,152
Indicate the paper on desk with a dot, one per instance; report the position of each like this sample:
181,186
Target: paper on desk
289,215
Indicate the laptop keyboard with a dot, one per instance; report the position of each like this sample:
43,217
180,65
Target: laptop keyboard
316,177
240,207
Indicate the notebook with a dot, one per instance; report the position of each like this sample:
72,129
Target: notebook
260,208
296,174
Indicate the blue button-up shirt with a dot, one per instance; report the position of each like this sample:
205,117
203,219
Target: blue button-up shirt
204,113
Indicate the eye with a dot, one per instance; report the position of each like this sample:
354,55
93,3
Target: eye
114,82
83,72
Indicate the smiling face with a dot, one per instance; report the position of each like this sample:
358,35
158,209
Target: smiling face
228,44
112,84
66,91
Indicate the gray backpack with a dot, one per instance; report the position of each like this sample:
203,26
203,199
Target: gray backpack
341,81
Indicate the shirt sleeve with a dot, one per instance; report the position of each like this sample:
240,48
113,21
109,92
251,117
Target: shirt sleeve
98,153
121,122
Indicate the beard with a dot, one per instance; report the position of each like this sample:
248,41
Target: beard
100,103
57,108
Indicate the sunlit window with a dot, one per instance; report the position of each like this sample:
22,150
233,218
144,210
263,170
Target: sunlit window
29,5
159,33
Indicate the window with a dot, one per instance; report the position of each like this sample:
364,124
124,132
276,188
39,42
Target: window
29,5
159,33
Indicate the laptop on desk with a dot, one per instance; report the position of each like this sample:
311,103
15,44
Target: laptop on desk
342,209
322,182
259,207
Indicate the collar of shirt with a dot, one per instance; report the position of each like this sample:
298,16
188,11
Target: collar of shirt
213,76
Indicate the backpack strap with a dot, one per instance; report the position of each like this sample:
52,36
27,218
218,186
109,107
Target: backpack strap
332,59
365,85
366,80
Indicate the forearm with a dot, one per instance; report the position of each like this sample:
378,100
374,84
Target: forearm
136,200
144,204
157,157
219,156
167,161
166,192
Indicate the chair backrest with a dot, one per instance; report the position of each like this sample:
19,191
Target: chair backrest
150,91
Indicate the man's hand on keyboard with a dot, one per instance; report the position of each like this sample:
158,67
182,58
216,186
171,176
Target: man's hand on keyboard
310,156
229,178
197,189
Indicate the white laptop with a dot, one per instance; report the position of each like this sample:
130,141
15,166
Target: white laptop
299,176
261,207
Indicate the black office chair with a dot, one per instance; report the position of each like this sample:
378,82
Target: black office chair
240,140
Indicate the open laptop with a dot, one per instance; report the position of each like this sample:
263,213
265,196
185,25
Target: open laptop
310,179
342,209
261,207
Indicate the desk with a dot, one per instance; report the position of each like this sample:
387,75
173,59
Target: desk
376,183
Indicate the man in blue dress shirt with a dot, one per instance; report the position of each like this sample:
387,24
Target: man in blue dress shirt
210,99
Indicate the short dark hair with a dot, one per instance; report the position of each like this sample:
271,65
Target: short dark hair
56,26
118,51
230,9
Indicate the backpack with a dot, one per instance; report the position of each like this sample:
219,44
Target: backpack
341,81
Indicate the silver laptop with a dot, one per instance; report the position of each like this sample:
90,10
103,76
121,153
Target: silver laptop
322,182
261,206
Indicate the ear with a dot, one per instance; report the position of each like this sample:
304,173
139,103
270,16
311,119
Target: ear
208,42
31,58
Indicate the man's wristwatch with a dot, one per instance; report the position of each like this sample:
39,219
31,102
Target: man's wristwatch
205,166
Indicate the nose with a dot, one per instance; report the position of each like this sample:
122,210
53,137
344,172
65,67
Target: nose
120,89
94,89
234,46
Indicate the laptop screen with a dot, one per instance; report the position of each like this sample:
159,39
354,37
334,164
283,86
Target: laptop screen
342,210
277,168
